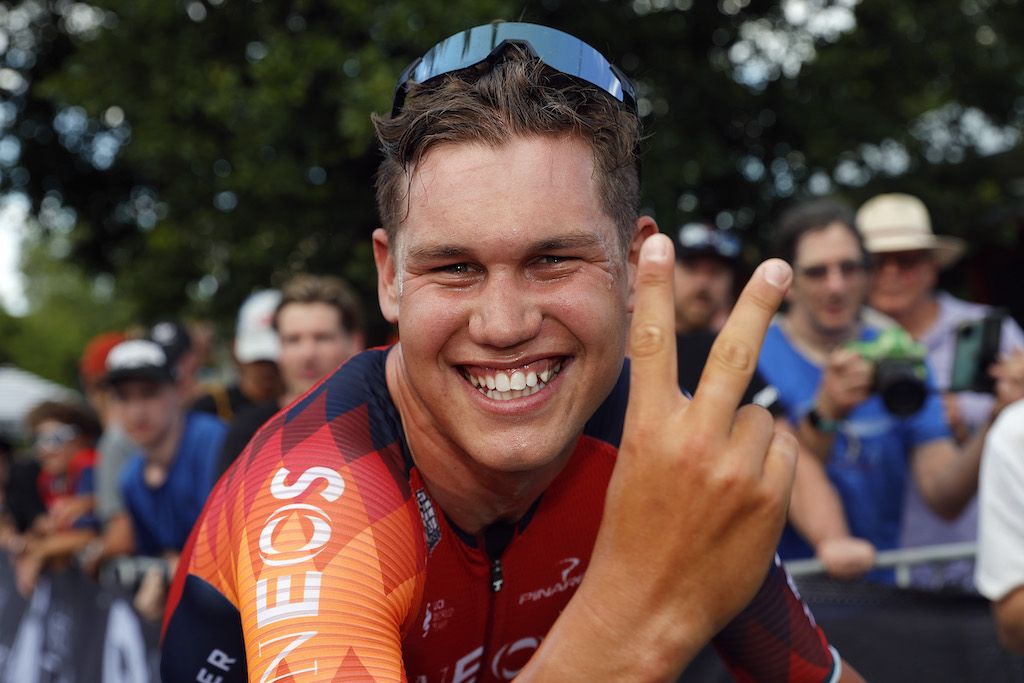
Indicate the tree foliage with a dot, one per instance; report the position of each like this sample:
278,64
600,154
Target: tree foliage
198,149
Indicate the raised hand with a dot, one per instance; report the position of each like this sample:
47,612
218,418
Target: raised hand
845,384
699,494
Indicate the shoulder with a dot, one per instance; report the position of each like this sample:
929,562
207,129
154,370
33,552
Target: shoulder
606,422
251,417
959,309
204,424
131,474
775,348
205,403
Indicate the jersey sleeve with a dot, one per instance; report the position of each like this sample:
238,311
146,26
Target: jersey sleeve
775,638
305,564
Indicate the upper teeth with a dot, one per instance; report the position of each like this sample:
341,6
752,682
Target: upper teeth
505,385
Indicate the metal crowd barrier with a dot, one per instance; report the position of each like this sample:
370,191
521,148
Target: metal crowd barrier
127,572
902,560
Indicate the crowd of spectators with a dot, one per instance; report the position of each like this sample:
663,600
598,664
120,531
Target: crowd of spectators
117,480
126,473
869,477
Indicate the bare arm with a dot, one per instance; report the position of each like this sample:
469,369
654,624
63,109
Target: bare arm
1009,614
650,600
948,476
816,512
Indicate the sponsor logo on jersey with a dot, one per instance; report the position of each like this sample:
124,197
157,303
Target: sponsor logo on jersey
437,616
569,580
431,527
288,562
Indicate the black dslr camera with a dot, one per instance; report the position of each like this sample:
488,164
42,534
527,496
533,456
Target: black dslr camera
900,371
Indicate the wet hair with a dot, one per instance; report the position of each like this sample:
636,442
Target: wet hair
493,103
66,413
813,216
323,289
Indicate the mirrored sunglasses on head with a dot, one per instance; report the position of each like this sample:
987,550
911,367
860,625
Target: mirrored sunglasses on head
702,237
560,51
55,438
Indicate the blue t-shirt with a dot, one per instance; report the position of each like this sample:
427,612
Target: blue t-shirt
163,516
870,455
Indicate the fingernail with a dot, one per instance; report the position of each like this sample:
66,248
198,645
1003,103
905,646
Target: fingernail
776,273
655,248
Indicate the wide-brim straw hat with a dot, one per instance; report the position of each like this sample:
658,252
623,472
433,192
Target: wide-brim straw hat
900,222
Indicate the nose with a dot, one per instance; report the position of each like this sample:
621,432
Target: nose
835,281
504,313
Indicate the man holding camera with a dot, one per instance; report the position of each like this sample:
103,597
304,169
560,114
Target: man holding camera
827,390
908,257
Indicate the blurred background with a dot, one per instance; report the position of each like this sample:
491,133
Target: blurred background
167,158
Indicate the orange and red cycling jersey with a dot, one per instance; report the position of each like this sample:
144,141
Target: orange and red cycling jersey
321,556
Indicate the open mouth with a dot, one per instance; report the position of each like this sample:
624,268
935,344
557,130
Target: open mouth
508,383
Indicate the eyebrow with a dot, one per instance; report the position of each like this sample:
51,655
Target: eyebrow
579,240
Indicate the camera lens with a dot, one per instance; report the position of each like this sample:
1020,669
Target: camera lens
902,391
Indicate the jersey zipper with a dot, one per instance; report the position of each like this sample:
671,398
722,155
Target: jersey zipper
493,540
496,577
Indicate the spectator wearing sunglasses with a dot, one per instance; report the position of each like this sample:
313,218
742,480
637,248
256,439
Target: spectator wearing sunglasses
446,508
868,453
63,436
908,258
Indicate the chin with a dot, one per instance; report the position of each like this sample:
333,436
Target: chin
511,453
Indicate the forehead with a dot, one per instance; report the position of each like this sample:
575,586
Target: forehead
299,315
835,242
48,425
513,193
129,389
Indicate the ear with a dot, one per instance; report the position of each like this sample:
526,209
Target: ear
644,228
387,276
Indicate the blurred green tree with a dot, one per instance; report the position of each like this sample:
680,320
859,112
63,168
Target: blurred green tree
66,308
204,148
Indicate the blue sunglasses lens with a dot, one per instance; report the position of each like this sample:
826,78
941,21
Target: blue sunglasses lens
564,53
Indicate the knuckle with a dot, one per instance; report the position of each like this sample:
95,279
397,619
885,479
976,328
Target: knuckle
759,416
647,339
733,354
765,303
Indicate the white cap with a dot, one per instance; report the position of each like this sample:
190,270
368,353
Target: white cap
255,337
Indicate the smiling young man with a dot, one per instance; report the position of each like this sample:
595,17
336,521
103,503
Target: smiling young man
476,503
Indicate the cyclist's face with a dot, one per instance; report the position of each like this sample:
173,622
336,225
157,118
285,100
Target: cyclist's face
511,291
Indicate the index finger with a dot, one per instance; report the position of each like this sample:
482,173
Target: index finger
653,379
733,356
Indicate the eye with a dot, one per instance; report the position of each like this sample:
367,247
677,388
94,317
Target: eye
454,269
552,260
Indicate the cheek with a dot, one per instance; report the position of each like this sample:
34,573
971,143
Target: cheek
428,319
595,315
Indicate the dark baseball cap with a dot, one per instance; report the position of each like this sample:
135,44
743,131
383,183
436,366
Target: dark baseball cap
139,359
172,337
702,239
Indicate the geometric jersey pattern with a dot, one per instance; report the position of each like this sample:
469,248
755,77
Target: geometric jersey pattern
323,544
